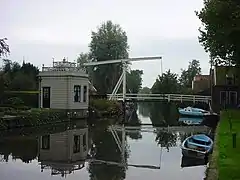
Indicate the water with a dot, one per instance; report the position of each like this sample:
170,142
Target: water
78,151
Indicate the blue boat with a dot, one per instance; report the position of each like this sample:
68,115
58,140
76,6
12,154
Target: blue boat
198,146
191,120
190,111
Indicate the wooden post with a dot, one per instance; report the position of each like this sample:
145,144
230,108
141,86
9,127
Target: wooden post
234,140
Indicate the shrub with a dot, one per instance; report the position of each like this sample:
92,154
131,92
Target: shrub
15,101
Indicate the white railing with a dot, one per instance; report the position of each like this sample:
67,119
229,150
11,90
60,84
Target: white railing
168,97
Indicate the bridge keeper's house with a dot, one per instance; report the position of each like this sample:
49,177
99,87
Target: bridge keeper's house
64,86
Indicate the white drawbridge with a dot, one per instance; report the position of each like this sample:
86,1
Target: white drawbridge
122,79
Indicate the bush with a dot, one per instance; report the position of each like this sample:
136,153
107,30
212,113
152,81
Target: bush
105,106
15,101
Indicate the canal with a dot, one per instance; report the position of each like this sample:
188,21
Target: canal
100,151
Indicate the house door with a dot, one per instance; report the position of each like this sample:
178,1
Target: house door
233,100
46,97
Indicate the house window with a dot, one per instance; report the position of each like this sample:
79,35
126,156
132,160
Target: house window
46,142
223,97
233,97
84,93
77,93
76,144
85,142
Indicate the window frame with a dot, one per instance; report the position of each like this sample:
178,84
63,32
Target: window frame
77,91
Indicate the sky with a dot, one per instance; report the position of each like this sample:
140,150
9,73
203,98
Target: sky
38,31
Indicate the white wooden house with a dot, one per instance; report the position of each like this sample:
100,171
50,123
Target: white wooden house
64,86
64,152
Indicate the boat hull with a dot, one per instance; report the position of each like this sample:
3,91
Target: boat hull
194,154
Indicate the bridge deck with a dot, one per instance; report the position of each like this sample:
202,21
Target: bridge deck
168,97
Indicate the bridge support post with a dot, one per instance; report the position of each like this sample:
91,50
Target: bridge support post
124,91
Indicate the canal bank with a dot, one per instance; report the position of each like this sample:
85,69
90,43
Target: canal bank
225,160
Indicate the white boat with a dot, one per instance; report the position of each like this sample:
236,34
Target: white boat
198,146
190,111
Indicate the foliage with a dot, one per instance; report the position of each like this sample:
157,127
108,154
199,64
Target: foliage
105,148
4,48
17,77
227,158
105,107
166,83
145,90
15,101
187,75
85,58
220,35
34,117
134,81
109,42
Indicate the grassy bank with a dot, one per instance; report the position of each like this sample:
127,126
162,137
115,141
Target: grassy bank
225,161
30,118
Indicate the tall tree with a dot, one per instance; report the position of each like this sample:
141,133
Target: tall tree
134,81
166,83
85,58
4,48
188,74
108,42
220,35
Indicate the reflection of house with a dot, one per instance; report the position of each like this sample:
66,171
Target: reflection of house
64,152
64,86
201,83
225,89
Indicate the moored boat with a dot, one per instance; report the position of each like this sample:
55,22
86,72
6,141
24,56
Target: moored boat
190,111
198,146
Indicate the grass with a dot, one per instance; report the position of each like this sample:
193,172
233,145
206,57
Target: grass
225,162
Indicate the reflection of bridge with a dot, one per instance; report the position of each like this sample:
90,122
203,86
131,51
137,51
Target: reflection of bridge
173,129
167,97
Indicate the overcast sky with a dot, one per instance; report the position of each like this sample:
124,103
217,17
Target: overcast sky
40,30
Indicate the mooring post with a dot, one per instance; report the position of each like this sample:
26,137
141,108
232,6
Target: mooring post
234,140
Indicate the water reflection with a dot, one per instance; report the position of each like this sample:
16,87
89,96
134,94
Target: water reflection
166,139
64,152
24,148
98,152
160,113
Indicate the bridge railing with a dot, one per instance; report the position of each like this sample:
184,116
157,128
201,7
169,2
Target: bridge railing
168,97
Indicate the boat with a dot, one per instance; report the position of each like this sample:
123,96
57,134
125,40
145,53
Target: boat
190,111
191,120
198,146
191,161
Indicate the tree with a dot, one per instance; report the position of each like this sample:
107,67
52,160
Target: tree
188,75
134,81
4,48
109,42
166,83
220,35
145,90
83,58
17,77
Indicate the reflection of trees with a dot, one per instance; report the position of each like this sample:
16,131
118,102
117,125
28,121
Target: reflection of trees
166,139
24,148
144,109
106,149
163,113
136,134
